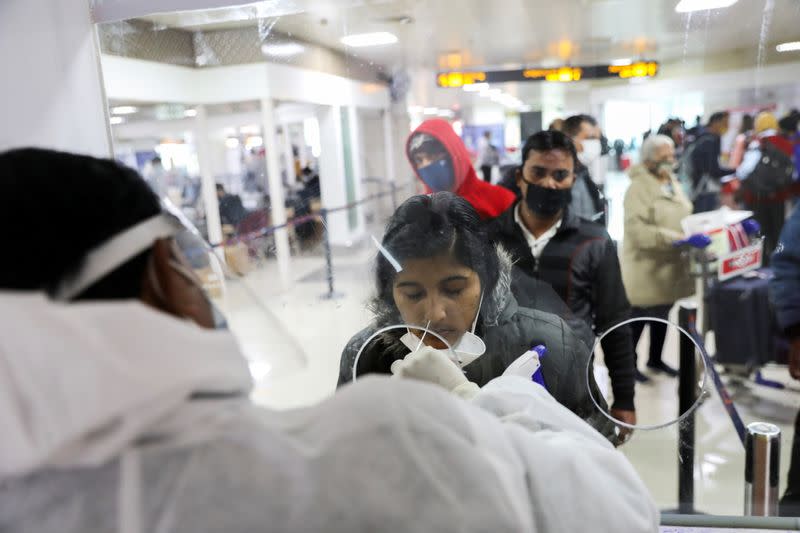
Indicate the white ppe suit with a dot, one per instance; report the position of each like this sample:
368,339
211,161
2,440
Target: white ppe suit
117,417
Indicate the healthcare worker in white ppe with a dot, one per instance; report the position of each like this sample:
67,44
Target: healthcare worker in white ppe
125,409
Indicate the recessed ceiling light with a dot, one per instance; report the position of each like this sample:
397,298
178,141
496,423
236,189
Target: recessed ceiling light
190,113
282,49
788,47
116,120
369,39
687,6
475,87
621,62
124,110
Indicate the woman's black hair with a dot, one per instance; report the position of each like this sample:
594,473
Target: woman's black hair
427,226
59,206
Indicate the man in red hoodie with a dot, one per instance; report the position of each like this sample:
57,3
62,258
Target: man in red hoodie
441,161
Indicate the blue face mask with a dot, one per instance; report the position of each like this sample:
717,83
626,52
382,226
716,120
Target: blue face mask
439,175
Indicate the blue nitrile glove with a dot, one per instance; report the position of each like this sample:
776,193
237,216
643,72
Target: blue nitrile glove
751,226
698,240
529,365
538,377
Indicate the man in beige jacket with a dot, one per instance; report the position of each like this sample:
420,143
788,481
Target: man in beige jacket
654,272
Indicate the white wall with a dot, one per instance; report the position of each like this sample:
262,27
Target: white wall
720,89
147,81
52,91
176,128
486,114
401,129
374,149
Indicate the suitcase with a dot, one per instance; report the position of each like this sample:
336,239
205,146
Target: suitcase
744,325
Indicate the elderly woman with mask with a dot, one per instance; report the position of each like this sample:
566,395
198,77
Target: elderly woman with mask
655,273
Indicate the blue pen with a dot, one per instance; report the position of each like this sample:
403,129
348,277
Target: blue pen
538,376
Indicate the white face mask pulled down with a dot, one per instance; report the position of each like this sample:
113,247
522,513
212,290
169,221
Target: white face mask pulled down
591,151
468,348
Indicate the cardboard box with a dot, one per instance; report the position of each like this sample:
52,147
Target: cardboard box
237,256
732,249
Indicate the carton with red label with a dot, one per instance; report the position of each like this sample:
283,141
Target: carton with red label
730,244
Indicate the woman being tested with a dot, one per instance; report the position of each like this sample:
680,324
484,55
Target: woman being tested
438,272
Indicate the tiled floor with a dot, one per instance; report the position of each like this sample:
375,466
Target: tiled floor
321,328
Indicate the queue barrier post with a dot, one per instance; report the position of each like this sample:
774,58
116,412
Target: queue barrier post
687,396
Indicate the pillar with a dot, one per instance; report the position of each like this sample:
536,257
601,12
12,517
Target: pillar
208,186
291,175
276,194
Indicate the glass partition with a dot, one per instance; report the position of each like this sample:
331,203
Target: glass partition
283,131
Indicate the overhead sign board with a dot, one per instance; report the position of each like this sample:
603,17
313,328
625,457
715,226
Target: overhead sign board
568,73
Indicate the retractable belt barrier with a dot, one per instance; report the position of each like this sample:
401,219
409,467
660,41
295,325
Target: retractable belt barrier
253,235
722,390
323,217
760,441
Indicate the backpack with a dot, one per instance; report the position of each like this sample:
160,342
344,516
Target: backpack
685,172
770,180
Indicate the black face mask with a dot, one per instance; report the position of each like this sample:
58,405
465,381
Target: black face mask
547,202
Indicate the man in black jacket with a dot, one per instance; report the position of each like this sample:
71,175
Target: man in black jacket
702,158
575,256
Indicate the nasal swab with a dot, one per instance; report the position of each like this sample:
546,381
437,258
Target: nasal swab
425,332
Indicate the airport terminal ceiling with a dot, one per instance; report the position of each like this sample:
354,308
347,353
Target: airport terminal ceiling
455,36
512,31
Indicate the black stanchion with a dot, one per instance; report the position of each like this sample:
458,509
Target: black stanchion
687,396
393,185
326,243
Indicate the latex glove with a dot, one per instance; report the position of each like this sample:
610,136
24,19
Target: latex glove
698,240
433,366
751,226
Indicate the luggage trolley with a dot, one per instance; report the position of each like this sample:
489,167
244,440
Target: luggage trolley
732,293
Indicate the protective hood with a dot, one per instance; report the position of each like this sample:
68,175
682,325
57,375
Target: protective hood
487,199
79,383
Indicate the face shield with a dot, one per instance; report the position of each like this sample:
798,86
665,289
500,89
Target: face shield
657,406
219,298
435,291
412,338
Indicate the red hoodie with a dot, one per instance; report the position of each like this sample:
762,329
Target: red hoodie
487,199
